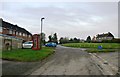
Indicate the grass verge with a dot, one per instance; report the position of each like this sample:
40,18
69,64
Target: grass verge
27,55
93,50
93,47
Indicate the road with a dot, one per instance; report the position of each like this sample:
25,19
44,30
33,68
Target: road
65,61
74,61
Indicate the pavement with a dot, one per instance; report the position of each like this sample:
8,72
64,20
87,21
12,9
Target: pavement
18,68
66,61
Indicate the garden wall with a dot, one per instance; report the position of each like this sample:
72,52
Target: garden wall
10,42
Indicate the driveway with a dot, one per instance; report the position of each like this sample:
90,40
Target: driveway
65,61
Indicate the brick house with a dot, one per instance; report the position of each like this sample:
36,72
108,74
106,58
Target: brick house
14,30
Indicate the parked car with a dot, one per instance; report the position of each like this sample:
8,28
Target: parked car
27,44
51,44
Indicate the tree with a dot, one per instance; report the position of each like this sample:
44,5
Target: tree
50,38
71,40
55,40
43,38
75,40
88,39
64,40
61,40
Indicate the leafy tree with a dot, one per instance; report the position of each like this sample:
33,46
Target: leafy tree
64,40
61,40
76,40
55,38
67,40
50,38
43,38
88,39
71,39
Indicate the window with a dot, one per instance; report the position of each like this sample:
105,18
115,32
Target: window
23,34
16,33
29,36
13,32
10,31
30,42
20,33
0,29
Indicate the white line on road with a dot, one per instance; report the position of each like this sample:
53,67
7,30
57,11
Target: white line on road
115,68
99,59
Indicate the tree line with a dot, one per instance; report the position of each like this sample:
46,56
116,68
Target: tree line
63,40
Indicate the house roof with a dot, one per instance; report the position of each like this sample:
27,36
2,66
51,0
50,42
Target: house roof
105,35
15,27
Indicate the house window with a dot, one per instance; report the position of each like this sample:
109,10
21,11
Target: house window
20,33
26,35
16,33
29,36
13,32
10,31
23,34
0,29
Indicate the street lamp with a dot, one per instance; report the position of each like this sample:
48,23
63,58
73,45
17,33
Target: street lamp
41,33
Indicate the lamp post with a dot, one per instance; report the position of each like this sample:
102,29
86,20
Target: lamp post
41,33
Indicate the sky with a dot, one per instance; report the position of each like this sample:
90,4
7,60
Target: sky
67,19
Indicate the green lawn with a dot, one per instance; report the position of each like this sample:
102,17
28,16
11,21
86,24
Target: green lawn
93,50
27,54
93,47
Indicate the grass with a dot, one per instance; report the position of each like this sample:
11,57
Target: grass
93,47
101,50
27,55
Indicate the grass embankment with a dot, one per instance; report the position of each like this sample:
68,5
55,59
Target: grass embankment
27,54
93,47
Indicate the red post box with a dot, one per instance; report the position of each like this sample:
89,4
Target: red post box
36,42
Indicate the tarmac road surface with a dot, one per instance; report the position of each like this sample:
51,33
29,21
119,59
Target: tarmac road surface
65,61
69,61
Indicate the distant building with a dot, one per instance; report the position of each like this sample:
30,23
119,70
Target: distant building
94,39
82,40
14,30
106,36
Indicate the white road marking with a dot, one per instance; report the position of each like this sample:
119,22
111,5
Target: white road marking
102,61
115,68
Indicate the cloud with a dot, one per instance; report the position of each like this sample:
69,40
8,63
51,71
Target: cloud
77,19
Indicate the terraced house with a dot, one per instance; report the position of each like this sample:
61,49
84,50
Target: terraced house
14,30
13,35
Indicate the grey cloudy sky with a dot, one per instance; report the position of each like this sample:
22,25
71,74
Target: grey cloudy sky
70,19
